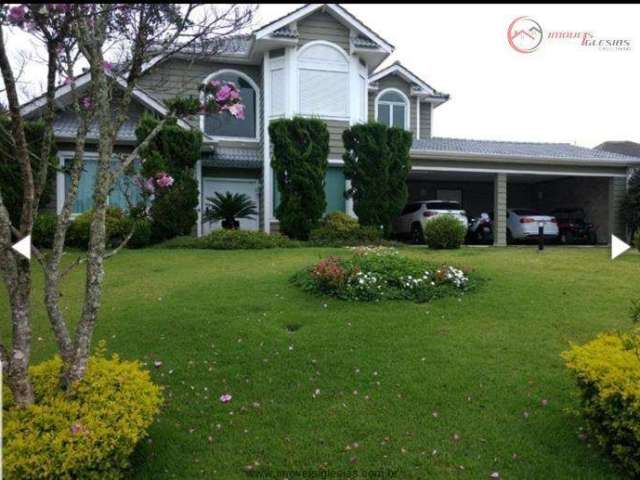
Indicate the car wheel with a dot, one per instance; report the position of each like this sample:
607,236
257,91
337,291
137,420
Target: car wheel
417,235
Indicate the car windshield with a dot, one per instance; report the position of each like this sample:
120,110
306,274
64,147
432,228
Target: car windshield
443,206
527,211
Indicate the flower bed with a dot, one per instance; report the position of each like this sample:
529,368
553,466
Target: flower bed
371,274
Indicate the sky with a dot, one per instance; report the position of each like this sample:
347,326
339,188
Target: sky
561,92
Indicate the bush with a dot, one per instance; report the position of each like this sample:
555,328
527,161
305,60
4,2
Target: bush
607,370
444,231
87,434
300,151
141,234
232,240
636,239
173,212
44,228
378,273
118,225
376,161
338,228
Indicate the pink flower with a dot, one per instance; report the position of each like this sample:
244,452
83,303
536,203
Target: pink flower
223,94
149,185
86,102
163,180
225,398
215,83
234,95
68,81
237,110
17,14
107,66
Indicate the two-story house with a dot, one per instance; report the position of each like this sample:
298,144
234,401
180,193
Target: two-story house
322,61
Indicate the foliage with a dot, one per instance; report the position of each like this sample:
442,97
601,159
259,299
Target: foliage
142,233
636,239
300,151
232,240
174,152
629,208
444,232
379,273
44,228
377,162
10,176
634,311
118,226
228,207
607,370
89,433
338,228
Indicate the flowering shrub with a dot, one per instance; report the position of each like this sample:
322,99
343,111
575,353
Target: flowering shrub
607,371
222,97
377,273
89,433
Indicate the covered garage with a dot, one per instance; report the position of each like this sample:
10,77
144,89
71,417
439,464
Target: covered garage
491,177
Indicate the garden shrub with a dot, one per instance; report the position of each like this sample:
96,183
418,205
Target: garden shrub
376,161
338,228
444,232
636,239
141,234
378,273
629,207
607,371
300,151
44,228
174,151
89,433
10,175
232,240
118,225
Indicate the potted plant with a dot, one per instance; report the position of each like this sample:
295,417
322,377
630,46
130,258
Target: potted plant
229,207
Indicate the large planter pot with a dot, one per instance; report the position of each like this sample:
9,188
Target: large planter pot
230,224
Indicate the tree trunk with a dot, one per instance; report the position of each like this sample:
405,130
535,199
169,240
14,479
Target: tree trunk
17,370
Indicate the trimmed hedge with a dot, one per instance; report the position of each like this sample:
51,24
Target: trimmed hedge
232,240
44,228
338,228
300,151
90,433
607,371
444,232
118,226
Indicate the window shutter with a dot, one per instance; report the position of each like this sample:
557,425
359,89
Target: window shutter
277,92
324,93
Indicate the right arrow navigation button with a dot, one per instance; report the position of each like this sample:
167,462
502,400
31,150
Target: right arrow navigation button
618,247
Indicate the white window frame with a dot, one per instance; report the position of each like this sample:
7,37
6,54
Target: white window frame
347,115
407,106
254,85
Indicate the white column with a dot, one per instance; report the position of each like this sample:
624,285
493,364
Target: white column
418,118
198,175
267,178
348,203
291,81
60,190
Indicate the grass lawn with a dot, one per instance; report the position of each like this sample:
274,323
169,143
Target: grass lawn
451,389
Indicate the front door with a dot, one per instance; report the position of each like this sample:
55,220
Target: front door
248,186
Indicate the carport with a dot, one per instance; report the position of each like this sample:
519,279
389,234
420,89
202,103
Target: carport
490,176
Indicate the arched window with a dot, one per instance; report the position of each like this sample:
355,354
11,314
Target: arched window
392,107
323,80
224,125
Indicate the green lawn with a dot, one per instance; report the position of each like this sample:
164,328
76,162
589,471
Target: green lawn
451,389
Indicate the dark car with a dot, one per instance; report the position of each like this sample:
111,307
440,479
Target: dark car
573,226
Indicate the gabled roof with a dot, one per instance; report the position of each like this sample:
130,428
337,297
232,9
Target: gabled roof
398,69
145,98
553,153
337,11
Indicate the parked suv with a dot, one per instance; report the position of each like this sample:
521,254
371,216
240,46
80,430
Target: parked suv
415,215
573,226
523,224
